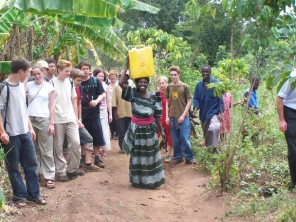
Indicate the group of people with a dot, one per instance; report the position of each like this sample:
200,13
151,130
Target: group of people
55,122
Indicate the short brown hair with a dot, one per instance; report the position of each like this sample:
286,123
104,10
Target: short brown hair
64,64
84,63
19,63
175,68
76,73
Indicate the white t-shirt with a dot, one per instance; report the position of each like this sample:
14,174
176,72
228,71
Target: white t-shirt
38,99
64,112
17,115
288,95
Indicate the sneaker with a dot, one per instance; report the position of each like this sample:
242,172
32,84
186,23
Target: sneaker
91,168
192,161
175,162
167,159
79,172
98,162
63,178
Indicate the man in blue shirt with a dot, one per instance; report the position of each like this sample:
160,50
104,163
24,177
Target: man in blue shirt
210,107
253,102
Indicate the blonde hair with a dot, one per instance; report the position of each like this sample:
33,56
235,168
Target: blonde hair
76,73
64,64
164,78
113,72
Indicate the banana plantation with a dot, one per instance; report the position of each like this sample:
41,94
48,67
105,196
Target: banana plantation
241,40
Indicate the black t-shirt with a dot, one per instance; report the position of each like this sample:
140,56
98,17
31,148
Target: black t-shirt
90,90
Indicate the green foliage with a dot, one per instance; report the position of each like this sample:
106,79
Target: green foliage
200,60
259,168
82,20
281,54
223,73
166,19
261,209
206,33
221,54
5,67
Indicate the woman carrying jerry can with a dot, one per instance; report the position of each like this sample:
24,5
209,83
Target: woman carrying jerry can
141,141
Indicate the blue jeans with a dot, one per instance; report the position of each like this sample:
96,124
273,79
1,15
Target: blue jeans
180,134
21,150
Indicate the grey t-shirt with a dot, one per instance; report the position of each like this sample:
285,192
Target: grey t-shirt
17,114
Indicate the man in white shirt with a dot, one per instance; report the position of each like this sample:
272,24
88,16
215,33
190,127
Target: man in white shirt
286,108
16,134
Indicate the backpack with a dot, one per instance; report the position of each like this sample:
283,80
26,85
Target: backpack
2,85
95,80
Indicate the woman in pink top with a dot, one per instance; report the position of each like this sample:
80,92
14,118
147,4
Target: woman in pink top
226,116
105,110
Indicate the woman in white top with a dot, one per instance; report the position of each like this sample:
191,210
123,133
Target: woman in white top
113,77
105,110
41,109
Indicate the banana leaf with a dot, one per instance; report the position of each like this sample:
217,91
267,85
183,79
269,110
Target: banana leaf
141,6
3,37
96,22
105,39
90,8
7,20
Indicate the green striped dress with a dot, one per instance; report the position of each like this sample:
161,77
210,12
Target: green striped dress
146,169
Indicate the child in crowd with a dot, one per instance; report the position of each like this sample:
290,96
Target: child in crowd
41,109
17,134
113,75
105,110
86,140
66,124
162,85
91,95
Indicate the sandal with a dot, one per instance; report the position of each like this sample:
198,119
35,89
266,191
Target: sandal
40,201
167,159
19,203
50,184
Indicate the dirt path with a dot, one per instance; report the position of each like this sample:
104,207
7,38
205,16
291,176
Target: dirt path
108,196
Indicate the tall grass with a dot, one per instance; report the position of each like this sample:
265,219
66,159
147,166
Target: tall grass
258,170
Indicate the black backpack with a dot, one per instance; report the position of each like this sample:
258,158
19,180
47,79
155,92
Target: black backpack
2,85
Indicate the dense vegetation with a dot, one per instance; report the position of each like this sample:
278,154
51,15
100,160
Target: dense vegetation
240,39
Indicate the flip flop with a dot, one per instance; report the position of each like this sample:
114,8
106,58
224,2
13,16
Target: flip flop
50,184
40,201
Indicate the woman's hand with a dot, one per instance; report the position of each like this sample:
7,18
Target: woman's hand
163,134
110,118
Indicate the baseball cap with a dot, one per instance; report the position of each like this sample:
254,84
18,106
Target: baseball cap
42,63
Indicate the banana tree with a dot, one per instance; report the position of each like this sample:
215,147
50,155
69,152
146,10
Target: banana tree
88,19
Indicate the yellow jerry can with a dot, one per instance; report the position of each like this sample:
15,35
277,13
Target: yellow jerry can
141,62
